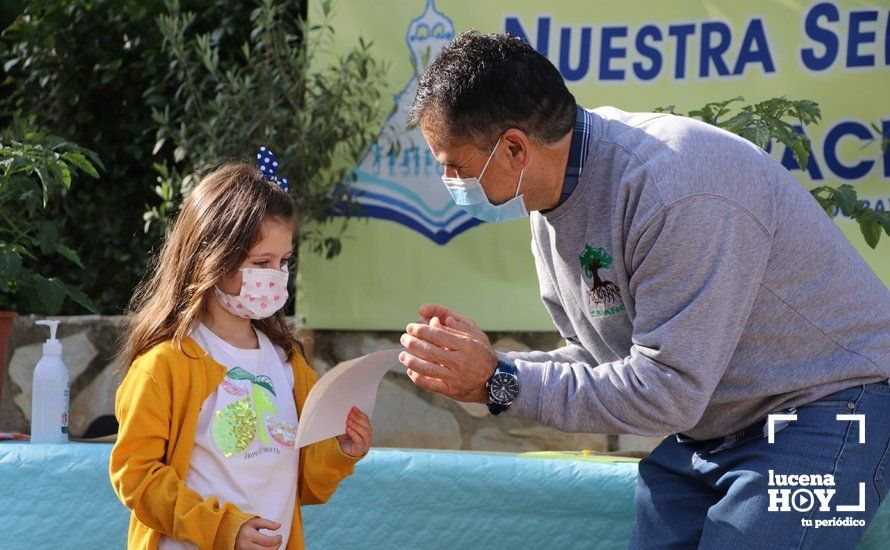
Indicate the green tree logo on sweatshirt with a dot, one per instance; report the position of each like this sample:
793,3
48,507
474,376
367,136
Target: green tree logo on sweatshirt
602,292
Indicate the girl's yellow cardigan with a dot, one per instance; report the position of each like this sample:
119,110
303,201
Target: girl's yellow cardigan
157,406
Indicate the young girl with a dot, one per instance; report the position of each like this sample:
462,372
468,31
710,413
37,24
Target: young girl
215,381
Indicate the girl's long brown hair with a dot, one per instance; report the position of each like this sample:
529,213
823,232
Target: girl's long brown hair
217,227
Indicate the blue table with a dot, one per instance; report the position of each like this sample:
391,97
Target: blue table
59,496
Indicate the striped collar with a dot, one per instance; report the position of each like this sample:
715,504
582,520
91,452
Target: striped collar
581,135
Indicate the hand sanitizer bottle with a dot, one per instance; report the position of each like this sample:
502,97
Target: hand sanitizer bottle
50,393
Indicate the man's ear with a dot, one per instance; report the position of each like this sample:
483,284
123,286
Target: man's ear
519,148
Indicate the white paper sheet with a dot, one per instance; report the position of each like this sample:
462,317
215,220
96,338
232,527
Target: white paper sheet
350,384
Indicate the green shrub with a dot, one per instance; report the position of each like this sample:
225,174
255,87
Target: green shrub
101,73
35,167
80,68
316,110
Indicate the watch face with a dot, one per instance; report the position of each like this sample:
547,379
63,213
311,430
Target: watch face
504,388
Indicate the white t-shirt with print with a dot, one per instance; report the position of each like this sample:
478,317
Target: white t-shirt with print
243,450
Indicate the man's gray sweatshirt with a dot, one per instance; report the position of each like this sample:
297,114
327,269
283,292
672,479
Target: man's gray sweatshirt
699,287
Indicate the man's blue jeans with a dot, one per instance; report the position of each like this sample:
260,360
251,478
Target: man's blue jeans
718,493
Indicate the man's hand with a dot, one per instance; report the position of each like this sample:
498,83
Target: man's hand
452,320
451,361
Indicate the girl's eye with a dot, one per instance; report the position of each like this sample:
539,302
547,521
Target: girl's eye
289,262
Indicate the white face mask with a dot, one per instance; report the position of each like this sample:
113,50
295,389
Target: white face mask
263,292
469,195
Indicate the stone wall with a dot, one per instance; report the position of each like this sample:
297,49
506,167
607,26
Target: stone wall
405,416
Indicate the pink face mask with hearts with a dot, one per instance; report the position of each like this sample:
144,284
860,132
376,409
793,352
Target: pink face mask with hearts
263,292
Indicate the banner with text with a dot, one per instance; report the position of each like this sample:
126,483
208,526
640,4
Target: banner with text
415,246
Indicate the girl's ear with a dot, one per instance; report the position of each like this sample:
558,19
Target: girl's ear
518,146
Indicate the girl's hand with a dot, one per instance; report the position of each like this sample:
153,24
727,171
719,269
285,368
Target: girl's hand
357,439
250,538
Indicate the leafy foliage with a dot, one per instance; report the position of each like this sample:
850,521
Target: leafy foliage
80,68
287,89
767,120
35,167
102,73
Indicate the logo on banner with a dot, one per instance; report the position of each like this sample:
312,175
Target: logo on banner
399,179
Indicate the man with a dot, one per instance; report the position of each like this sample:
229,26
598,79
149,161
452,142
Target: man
699,288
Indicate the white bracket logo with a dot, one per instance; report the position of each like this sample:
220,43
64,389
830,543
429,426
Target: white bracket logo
771,424
773,418
859,418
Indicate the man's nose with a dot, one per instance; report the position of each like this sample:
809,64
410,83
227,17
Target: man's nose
451,172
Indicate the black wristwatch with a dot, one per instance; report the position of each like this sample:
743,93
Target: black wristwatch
503,387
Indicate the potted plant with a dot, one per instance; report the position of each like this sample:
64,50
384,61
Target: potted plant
34,168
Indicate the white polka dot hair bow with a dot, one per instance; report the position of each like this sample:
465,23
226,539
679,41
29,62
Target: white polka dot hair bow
269,167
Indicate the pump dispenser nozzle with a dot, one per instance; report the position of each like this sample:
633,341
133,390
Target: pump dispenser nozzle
52,346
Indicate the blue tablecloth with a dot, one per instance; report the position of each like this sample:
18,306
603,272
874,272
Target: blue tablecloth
59,496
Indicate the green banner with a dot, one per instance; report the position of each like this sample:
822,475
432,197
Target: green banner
416,247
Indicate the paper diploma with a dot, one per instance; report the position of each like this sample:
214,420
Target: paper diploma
350,384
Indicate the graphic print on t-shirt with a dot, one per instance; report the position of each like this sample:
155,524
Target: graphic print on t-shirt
603,296
237,424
